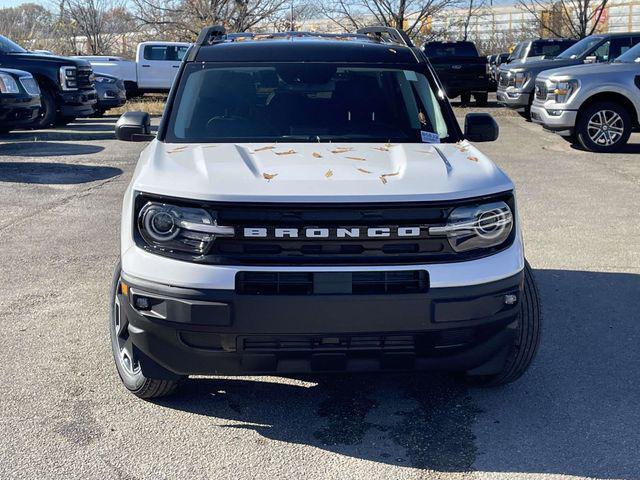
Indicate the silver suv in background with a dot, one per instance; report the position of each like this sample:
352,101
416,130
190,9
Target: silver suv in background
516,81
594,105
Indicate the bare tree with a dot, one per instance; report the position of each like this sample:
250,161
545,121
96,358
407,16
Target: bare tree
566,18
294,17
28,24
414,16
94,26
473,10
183,19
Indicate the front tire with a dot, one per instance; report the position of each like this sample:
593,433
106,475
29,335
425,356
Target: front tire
125,353
526,342
481,98
603,127
48,110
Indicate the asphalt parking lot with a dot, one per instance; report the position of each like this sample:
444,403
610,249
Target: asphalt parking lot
64,413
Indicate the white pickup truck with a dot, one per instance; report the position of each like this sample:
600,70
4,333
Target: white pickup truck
153,70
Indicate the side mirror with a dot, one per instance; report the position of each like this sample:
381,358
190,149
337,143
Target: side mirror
591,59
480,127
134,127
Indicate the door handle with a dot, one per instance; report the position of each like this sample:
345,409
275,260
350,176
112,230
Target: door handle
175,66
146,66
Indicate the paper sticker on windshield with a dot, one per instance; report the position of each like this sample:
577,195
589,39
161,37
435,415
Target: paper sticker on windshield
410,75
429,137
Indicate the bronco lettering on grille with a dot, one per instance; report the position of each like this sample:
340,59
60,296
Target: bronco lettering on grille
338,232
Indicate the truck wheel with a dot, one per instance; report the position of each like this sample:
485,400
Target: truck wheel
603,127
526,341
124,352
481,98
47,115
465,99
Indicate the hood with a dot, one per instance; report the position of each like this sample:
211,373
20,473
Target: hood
50,58
583,70
540,65
320,172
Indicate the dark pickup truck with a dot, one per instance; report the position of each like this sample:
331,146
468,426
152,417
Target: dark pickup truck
461,69
66,84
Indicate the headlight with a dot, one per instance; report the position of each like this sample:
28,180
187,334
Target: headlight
478,226
105,80
520,78
170,227
68,78
8,84
562,90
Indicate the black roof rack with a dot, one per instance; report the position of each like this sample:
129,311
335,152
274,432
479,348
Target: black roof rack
394,34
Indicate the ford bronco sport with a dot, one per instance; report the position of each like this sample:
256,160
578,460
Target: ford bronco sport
309,204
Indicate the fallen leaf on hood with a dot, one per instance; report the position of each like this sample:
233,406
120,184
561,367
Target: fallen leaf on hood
341,150
360,159
269,176
316,155
262,149
210,146
381,149
473,159
389,145
384,176
178,149
363,170
288,152
329,174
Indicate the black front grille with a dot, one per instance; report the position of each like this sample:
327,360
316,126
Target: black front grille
330,283
85,77
395,249
317,344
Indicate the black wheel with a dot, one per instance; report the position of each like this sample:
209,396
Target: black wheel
481,98
526,341
125,353
61,121
603,127
48,111
465,99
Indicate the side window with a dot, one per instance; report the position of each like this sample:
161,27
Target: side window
155,52
181,52
602,52
619,46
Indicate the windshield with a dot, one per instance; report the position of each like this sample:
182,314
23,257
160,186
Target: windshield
630,56
7,46
579,49
548,49
305,102
459,49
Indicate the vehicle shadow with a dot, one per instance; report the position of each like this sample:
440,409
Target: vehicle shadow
47,149
54,173
628,148
574,413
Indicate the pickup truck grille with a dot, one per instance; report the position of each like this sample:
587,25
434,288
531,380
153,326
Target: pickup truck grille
398,245
85,77
541,91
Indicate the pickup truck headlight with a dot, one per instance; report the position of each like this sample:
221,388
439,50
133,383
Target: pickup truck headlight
563,89
520,78
8,84
171,227
477,226
68,78
100,79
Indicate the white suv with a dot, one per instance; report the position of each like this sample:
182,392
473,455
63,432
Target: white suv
310,205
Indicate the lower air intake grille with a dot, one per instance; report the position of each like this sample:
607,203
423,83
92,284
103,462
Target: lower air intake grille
330,283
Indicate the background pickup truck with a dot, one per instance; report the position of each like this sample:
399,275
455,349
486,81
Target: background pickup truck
153,70
461,70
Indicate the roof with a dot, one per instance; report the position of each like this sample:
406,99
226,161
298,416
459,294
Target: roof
306,47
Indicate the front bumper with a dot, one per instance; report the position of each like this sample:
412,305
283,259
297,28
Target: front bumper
511,98
564,121
18,110
210,332
79,103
